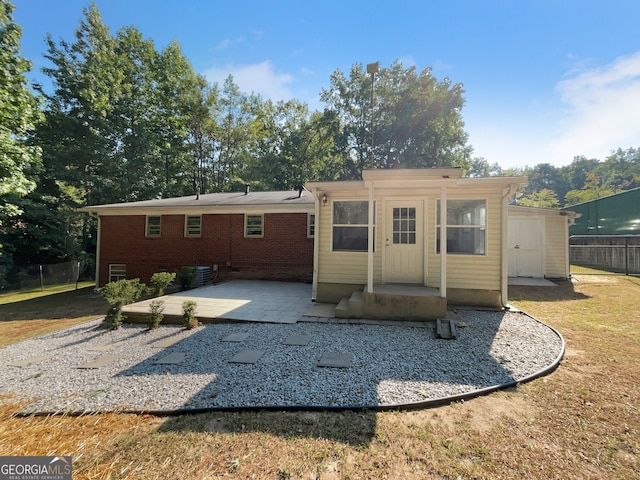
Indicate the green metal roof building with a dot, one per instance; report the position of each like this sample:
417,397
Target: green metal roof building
617,214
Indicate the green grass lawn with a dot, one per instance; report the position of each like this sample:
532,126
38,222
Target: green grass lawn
27,294
581,421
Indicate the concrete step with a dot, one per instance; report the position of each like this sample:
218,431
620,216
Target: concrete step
342,309
355,304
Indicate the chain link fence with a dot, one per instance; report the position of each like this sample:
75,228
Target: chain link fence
605,254
19,277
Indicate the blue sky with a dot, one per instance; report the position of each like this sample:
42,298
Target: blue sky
545,80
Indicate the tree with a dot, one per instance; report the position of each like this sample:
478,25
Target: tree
545,198
416,119
19,112
591,191
480,167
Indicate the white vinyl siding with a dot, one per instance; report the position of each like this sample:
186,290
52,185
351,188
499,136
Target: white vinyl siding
482,272
193,226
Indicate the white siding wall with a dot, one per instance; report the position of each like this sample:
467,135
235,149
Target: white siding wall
464,271
556,246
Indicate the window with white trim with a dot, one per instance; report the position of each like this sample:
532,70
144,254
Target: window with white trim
311,225
193,226
466,227
253,225
350,226
117,271
153,225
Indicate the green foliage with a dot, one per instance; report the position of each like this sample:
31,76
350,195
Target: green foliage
159,281
416,119
545,198
186,275
590,191
19,112
189,319
156,307
118,294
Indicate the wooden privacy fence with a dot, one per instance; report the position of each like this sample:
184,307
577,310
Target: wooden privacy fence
609,253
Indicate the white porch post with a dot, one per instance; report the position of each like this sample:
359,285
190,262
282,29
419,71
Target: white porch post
443,241
371,240
316,245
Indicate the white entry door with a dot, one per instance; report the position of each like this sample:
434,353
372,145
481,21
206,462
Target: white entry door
525,237
404,246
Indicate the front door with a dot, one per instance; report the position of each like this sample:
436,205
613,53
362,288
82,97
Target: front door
404,246
525,237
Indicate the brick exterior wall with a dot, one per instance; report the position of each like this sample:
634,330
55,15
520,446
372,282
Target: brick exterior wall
283,253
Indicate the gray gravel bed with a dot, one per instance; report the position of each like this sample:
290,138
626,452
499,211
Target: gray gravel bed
390,365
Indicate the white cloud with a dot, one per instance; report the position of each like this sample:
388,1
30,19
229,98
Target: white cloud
258,78
602,106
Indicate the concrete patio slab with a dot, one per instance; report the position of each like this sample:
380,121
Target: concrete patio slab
247,356
172,359
298,340
238,300
335,360
30,361
100,362
236,337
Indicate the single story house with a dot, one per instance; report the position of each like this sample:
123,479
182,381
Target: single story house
259,235
372,245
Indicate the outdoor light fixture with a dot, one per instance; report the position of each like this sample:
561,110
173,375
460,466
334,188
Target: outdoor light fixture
324,199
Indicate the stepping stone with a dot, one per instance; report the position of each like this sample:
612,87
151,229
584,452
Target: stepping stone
167,342
235,337
172,359
100,361
297,340
247,356
30,361
335,360
105,348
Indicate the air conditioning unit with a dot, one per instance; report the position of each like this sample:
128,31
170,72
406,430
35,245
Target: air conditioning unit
203,276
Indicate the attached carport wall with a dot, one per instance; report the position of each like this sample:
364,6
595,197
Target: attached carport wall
554,238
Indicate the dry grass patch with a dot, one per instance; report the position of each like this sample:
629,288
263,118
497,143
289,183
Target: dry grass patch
582,421
27,316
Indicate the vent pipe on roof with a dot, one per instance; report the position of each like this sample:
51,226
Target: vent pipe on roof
247,188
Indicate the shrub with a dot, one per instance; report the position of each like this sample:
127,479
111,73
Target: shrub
119,294
156,307
189,319
186,276
159,281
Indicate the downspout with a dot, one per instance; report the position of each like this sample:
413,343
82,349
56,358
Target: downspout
443,241
504,261
98,242
316,247
370,234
